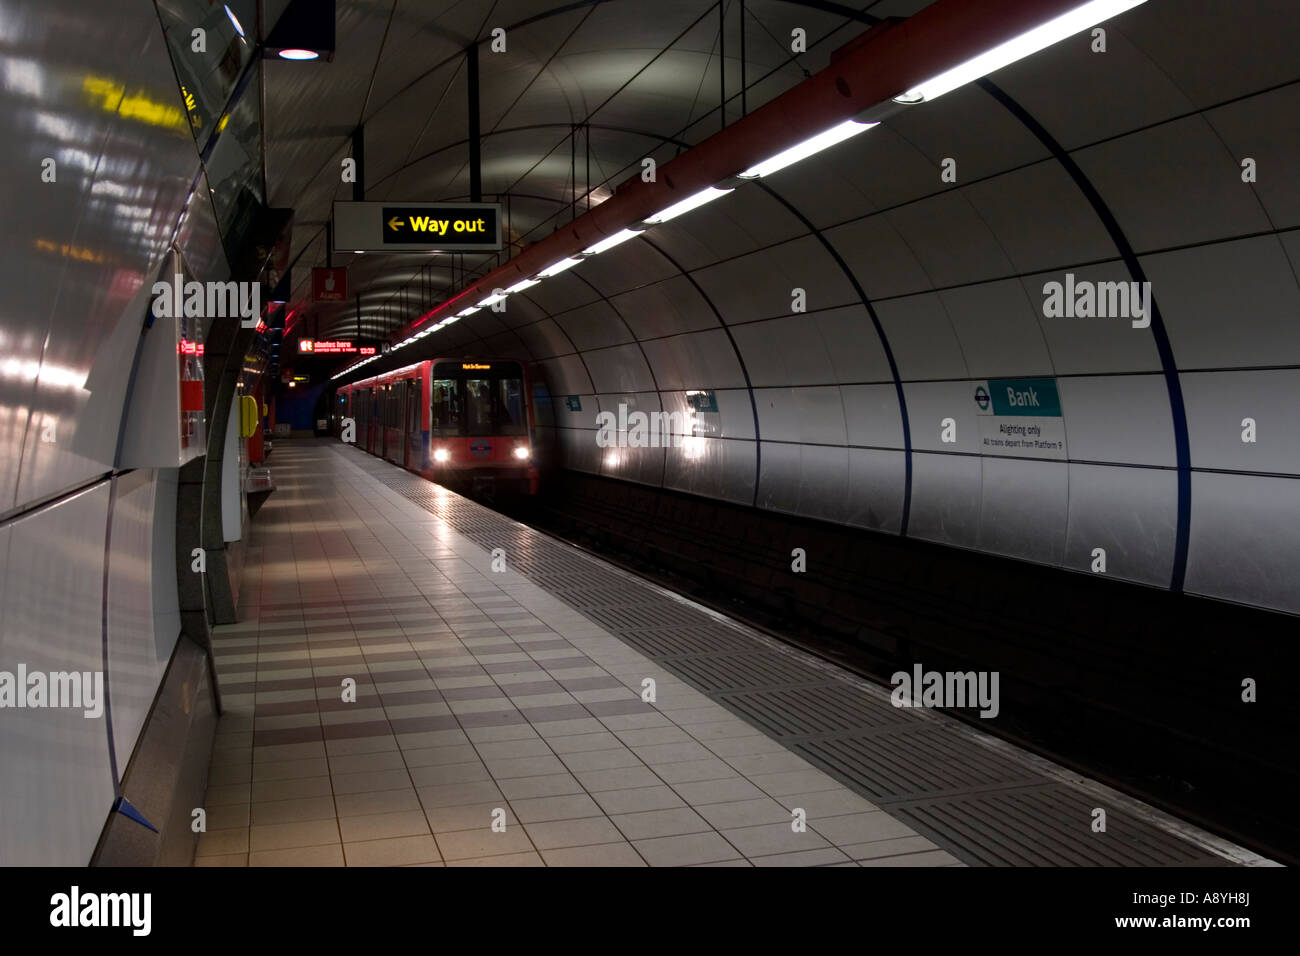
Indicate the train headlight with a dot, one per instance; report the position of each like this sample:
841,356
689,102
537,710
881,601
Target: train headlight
441,455
521,452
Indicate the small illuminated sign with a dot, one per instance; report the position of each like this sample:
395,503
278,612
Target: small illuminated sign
367,350
475,367
417,227
323,347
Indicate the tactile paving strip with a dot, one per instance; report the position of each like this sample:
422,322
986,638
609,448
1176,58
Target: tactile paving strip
978,803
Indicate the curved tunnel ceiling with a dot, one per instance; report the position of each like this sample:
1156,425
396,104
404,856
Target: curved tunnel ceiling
1123,166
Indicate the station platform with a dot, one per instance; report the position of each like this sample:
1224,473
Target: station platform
515,696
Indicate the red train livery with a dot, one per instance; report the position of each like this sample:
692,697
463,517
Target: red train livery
454,421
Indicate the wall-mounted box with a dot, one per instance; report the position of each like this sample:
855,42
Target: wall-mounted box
166,425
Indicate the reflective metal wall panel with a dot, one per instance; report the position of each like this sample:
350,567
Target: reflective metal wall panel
875,489
1166,187
1122,418
997,330
665,308
697,360
1240,550
622,368
784,350
871,415
1228,304
100,228
852,346
883,264
1239,125
57,785
761,285
823,482
950,241
137,657
567,375
1014,207
922,337
1218,406
946,498
1128,513
544,339
1091,345
1023,509
931,404
593,326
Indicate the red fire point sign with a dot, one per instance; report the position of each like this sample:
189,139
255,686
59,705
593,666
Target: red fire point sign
329,285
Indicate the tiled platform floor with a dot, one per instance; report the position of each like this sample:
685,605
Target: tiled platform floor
477,694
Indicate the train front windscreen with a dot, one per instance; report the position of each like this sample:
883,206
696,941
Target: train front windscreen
478,398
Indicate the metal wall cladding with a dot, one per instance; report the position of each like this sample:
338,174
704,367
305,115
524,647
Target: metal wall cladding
1121,419
1230,304
1178,193
1130,514
763,283
931,286
713,468
1096,345
1244,542
696,360
57,785
143,623
102,102
1023,508
618,369
1238,124
665,308
593,326
1221,407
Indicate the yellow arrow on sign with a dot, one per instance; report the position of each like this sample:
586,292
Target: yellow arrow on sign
394,224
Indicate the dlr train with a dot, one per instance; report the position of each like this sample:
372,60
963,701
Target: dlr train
457,421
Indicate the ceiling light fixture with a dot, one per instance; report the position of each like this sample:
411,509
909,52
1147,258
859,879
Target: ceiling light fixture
1017,48
298,54
814,144
558,267
492,299
609,242
521,286
686,205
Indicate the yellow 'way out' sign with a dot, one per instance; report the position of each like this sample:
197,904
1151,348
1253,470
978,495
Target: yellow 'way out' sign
417,227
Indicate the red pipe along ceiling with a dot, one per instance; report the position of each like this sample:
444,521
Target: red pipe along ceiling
872,69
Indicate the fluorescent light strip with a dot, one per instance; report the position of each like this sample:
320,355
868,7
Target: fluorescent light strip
686,205
814,144
521,286
558,268
464,312
494,297
1017,48
620,237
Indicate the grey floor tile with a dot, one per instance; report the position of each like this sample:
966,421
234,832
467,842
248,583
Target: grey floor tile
659,823
686,849
609,854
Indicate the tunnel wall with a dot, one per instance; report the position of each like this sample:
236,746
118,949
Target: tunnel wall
1123,166
87,547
